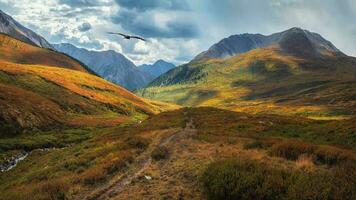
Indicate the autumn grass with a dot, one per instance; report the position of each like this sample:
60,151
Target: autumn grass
49,97
16,51
97,154
213,123
247,179
93,157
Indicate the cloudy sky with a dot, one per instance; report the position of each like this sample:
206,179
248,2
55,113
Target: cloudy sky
180,29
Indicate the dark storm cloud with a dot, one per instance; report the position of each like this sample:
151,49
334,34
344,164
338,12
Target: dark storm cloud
144,5
139,18
145,26
84,27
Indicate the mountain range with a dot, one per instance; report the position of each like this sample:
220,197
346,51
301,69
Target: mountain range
294,71
295,41
157,68
110,65
115,67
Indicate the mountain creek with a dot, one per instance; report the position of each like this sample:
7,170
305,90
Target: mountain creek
13,161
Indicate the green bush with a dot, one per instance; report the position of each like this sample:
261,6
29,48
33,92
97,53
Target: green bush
237,179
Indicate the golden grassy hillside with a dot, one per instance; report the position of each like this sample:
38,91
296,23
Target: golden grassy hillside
37,96
40,88
15,51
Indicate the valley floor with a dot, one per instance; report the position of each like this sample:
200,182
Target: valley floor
173,155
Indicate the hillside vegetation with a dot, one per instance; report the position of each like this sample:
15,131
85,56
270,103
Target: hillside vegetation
43,89
15,51
40,96
263,80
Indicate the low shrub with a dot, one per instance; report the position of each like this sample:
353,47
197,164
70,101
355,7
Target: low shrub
56,189
93,175
137,142
324,155
118,164
76,163
244,179
52,190
160,153
330,156
256,145
291,150
236,179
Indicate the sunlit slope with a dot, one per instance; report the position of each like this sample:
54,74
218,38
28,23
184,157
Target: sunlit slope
15,51
39,96
263,80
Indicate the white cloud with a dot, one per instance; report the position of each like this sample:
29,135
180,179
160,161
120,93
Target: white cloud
109,45
59,22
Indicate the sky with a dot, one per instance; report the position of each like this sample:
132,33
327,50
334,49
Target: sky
178,30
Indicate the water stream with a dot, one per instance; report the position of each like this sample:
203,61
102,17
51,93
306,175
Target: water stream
13,161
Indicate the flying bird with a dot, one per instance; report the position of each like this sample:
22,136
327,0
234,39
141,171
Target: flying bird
128,37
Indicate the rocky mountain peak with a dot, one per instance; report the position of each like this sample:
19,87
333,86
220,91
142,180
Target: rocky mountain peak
296,41
11,27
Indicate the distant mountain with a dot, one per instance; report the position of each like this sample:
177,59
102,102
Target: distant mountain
292,72
158,68
110,65
295,41
14,29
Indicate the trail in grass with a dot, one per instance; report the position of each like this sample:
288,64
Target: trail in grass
115,187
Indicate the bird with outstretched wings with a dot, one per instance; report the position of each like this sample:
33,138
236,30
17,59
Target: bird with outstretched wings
128,37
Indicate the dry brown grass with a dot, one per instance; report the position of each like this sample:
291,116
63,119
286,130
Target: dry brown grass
306,162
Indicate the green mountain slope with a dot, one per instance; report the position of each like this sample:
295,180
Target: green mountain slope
261,79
